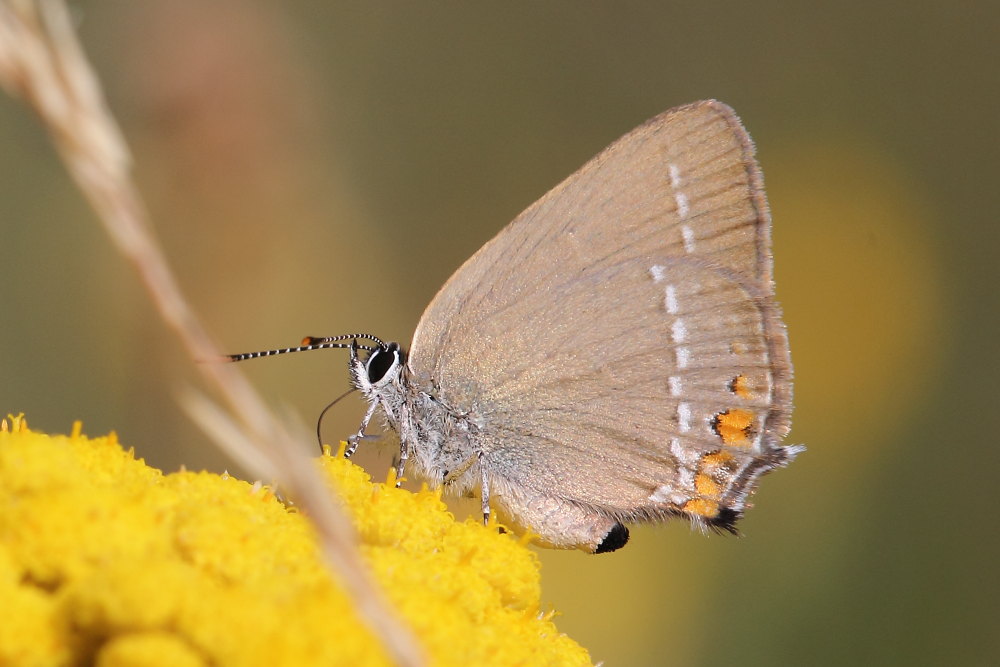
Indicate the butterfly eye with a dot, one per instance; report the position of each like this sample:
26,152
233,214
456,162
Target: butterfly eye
382,361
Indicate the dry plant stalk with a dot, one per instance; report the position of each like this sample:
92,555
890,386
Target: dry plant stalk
42,62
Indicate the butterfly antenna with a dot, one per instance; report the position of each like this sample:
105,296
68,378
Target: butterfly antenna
312,343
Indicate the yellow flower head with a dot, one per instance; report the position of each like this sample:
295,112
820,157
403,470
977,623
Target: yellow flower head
104,560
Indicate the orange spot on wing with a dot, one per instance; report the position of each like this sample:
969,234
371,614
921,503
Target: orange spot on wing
714,473
740,386
718,459
735,427
702,507
706,486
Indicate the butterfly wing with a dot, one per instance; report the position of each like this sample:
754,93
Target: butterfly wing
619,343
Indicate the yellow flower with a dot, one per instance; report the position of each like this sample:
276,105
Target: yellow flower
106,561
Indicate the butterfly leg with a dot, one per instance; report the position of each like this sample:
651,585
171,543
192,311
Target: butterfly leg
404,453
485,491
354,440
451,476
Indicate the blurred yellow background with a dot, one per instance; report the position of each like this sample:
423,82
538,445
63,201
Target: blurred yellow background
318,168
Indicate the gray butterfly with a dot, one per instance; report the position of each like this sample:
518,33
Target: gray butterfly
615,354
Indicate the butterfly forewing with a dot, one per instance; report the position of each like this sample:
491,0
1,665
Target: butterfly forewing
619,343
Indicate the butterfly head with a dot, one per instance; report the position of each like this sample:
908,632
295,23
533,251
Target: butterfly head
378,368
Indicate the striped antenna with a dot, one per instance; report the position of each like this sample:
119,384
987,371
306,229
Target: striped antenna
314,343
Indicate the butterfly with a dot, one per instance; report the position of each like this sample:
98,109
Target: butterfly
614,355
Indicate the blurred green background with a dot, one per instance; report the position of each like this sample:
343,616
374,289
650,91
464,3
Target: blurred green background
317,168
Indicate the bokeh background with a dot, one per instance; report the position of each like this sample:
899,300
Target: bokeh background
317,168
